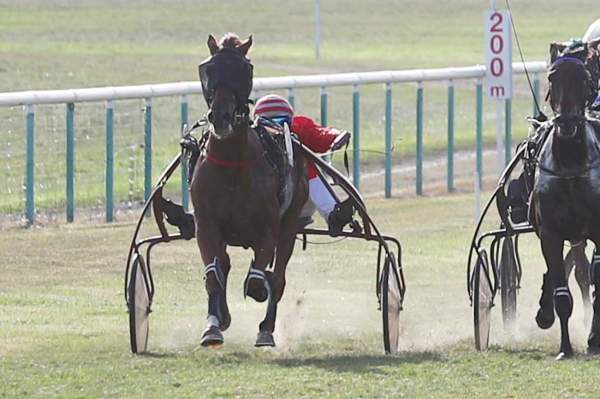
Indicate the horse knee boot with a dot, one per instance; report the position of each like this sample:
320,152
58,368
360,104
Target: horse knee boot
563,302
257,285
215,286
594,337
545,315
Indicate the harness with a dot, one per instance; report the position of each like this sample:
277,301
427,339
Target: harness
584,172
229,69
271,137
275,152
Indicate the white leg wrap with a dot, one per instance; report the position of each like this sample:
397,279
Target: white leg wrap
213,321
320,196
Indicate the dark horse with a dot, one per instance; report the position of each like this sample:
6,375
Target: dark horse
237,194
566,191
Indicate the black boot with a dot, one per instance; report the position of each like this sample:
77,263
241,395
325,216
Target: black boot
179,218
340,217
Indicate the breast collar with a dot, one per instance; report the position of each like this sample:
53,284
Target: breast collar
582,173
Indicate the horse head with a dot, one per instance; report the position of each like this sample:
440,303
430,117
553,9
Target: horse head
226,78
571,87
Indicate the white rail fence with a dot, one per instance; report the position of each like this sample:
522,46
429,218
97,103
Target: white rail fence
71,97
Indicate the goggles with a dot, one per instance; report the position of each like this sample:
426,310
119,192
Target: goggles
282,120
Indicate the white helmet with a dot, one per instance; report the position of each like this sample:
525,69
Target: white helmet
593,32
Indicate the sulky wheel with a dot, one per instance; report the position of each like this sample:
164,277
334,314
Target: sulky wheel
391,304
482,302
138,305
508,283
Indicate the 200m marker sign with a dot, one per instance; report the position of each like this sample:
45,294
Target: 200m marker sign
498,54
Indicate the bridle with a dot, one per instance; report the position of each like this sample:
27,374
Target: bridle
589,85
577,120
228,69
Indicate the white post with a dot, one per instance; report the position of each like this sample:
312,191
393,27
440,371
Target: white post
500,159
317,29
499,141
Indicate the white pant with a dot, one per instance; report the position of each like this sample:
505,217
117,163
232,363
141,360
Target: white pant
320,197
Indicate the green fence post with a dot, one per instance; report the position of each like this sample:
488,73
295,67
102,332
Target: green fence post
184,169
109,160
508,131
479,132
323,106
536,93
148,149
30,167
326,158
356,136
419,160
70,163
450,171
291,97
388,140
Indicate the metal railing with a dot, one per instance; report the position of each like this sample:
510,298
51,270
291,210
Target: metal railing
29,99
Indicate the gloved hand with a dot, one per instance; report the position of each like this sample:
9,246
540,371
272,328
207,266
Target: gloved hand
341,140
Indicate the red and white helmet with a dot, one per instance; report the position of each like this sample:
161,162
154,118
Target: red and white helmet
274,107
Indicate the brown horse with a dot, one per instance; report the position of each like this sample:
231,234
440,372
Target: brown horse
236,194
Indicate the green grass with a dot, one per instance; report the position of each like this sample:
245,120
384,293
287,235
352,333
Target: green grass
67,43
65,329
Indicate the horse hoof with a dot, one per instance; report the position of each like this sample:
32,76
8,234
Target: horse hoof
257,290
264,339
544,322
564,356
211,337
593,343
593,350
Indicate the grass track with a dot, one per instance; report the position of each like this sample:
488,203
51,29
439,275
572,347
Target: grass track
64,325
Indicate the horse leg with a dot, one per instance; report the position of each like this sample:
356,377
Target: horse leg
256,284
552,248
582,276
569,262
545,315
285,247
594,337
216,270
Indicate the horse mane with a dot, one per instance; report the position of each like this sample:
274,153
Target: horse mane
230,40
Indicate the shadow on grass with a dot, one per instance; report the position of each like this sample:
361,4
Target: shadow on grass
360,363
524,353
159,355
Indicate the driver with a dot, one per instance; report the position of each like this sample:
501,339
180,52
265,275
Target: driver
319,139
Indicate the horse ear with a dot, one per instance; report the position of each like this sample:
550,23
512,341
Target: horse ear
555,50
212,44
245,46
